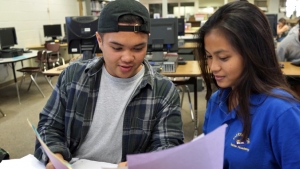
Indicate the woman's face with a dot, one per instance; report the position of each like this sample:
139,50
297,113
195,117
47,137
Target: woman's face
223,60
280,24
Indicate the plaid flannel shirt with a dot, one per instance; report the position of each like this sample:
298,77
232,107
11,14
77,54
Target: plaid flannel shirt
152,119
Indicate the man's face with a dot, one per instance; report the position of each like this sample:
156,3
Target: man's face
123,52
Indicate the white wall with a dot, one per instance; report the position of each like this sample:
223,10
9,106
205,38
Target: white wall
147,2
273,8
28,18
198,3
211,3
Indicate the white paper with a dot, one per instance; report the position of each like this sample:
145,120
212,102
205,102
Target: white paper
11,164
27,162
88,164
30,162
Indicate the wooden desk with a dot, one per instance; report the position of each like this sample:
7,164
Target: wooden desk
56,71
188,45
193,30
63,48
39,47
191,69
290,70
194,23
188,51
292,22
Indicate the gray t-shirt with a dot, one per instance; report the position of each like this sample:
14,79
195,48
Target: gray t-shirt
104,138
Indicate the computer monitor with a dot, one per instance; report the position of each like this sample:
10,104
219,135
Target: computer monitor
272,18
8,37
181,27
163,37
65,29
81,35
52,31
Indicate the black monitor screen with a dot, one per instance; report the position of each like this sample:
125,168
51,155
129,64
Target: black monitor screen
272,18
181,27
65,29
8,37
163,35
52,31
81,34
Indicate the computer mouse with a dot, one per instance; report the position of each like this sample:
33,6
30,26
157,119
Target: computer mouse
180,58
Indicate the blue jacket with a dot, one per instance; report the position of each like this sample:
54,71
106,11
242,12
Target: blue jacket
274,140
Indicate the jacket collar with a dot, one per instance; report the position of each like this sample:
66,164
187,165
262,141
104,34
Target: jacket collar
255,100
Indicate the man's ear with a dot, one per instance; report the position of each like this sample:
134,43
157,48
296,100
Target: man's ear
99,40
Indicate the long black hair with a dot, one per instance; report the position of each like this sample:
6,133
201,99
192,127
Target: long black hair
248,31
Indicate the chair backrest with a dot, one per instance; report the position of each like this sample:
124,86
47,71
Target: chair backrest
54,47
41,56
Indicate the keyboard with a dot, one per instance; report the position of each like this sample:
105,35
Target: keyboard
181,62
6,50
185,51
27,51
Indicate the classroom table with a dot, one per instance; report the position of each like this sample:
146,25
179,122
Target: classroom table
192,30
13,60
191,69
290,70
41,47
188,45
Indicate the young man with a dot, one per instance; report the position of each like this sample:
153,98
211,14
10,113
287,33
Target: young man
114,105
289,48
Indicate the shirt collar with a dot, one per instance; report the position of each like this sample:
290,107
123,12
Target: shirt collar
255,101
95,65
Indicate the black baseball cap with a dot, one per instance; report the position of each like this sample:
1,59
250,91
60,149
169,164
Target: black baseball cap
109,16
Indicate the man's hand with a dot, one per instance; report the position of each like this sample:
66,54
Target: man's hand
122,164
50,165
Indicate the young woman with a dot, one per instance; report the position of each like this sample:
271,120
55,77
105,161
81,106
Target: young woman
237,54
282,29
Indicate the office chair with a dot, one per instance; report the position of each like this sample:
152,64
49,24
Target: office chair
33,70
54,55
4,155
184,88
3,114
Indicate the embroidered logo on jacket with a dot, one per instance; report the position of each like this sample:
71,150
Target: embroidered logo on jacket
238,143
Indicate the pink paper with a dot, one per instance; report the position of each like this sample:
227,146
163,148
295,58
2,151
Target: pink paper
203,153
